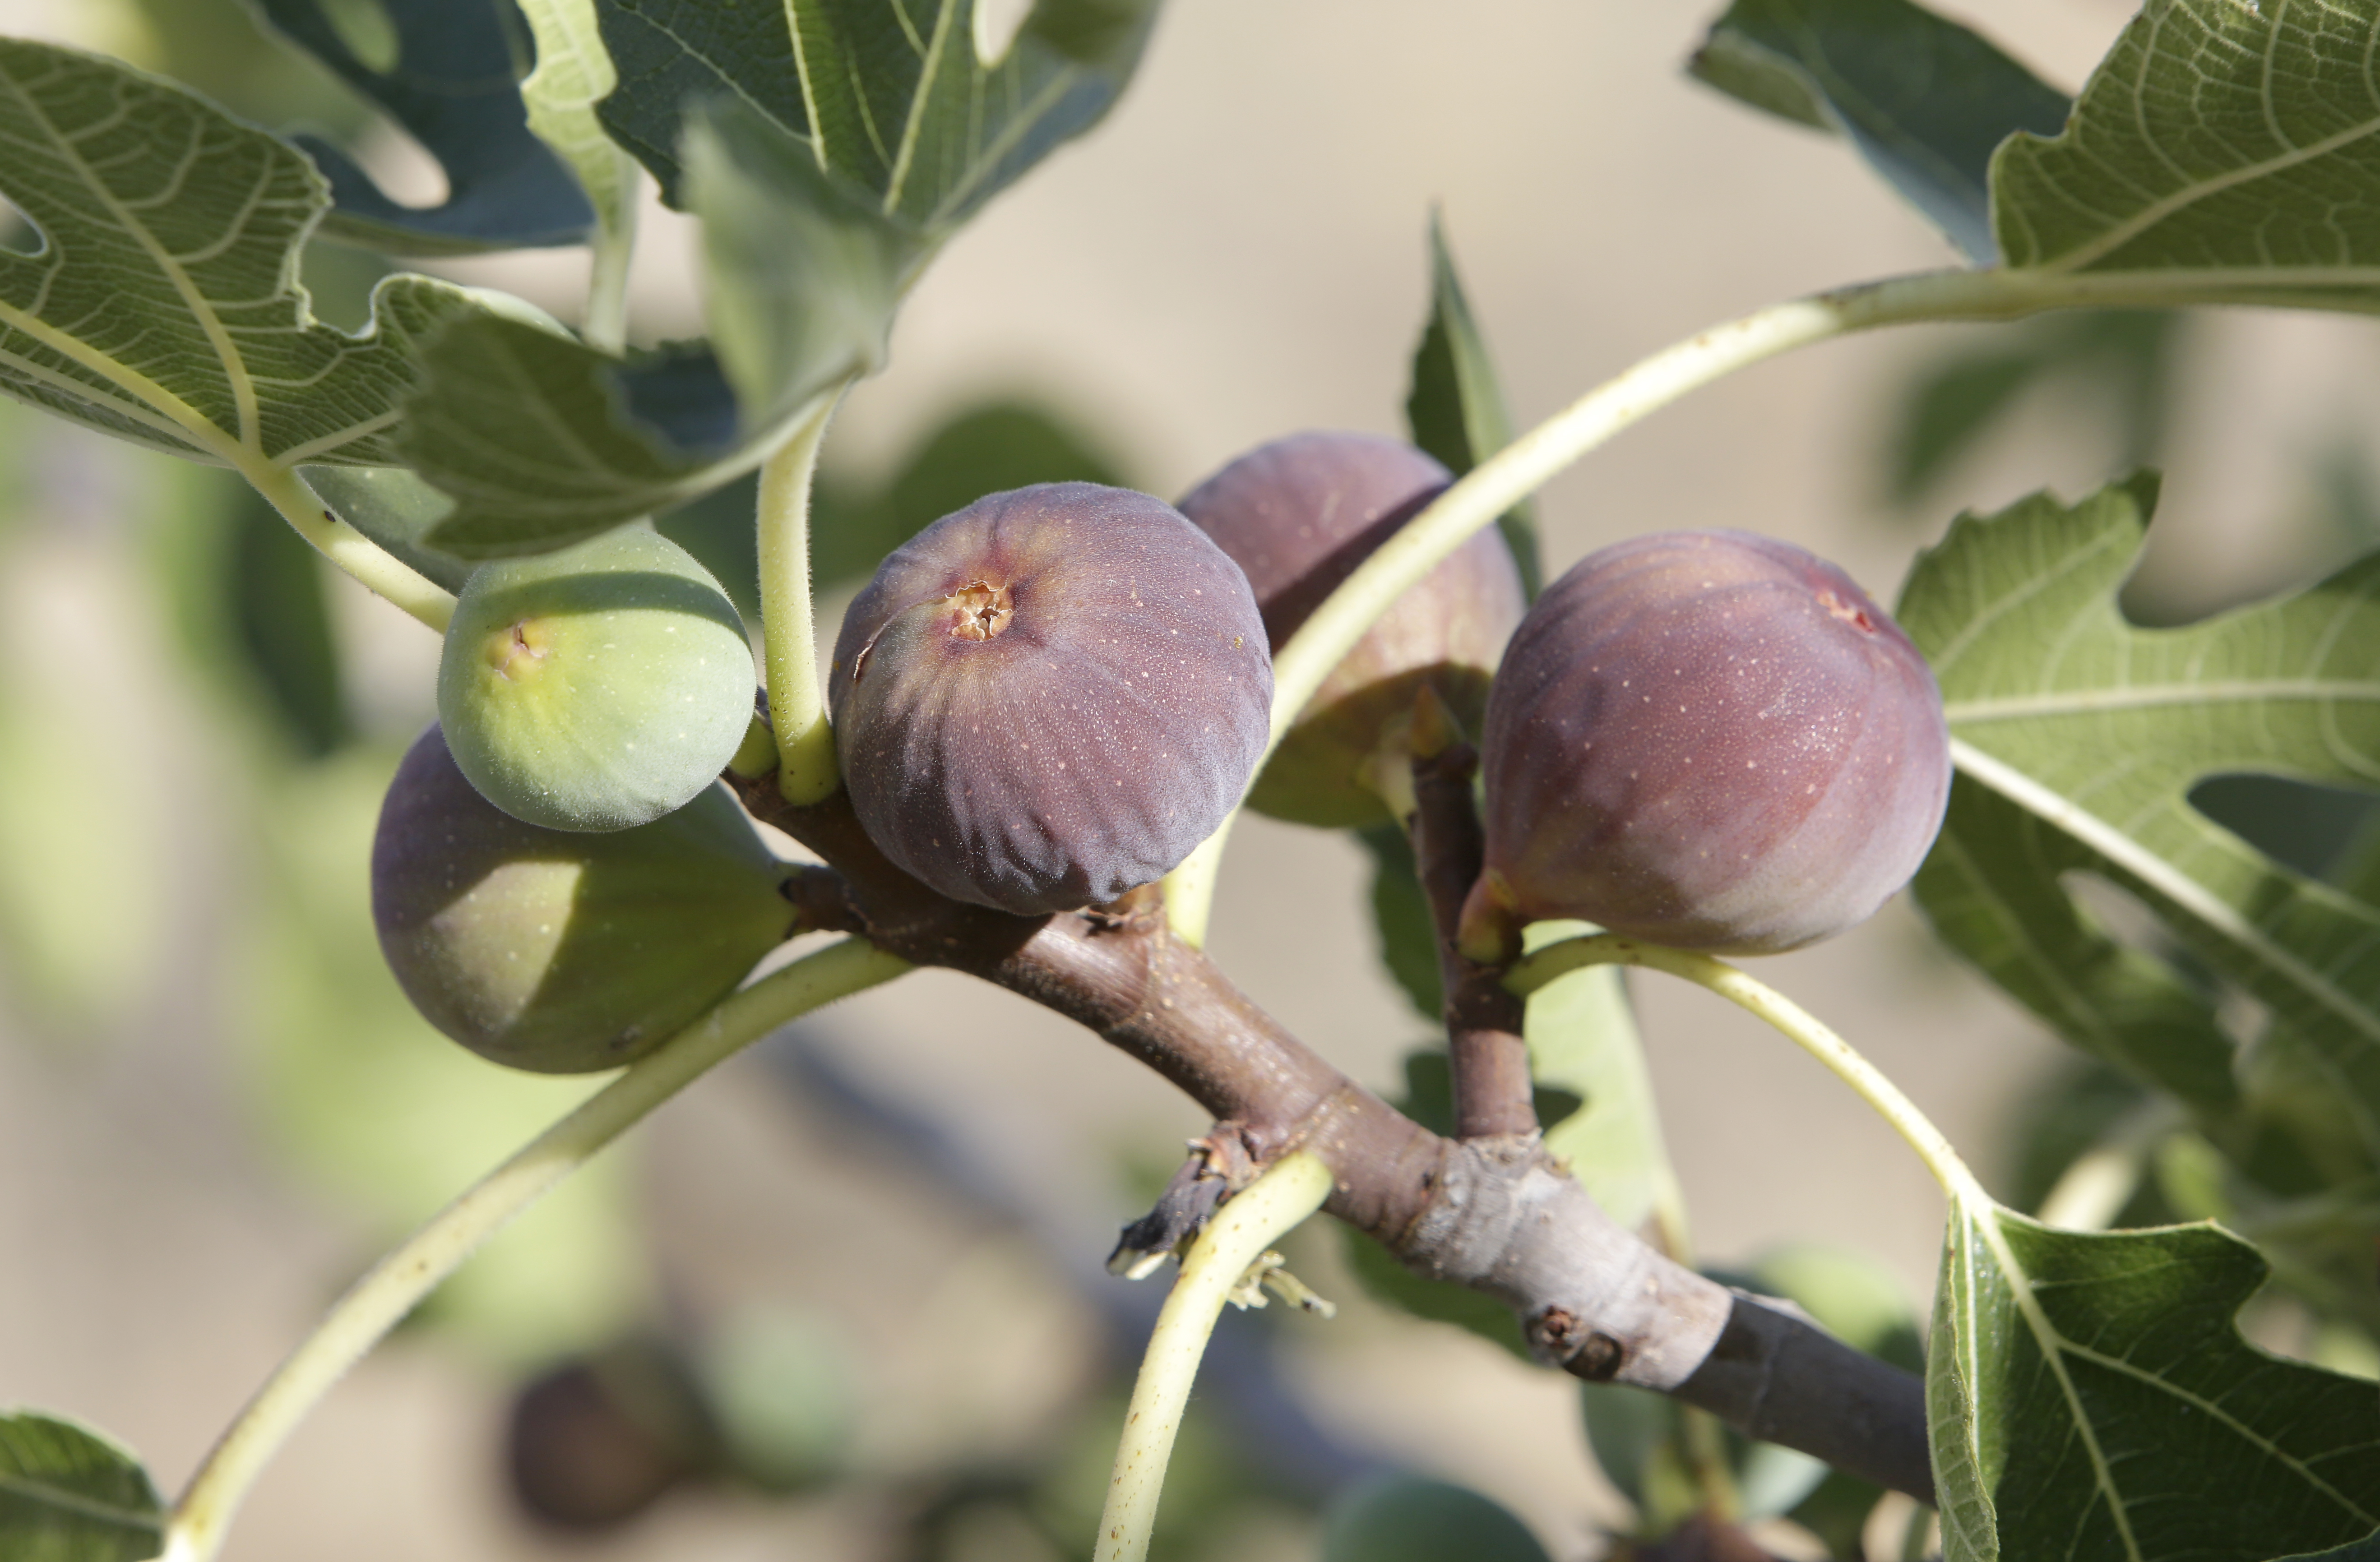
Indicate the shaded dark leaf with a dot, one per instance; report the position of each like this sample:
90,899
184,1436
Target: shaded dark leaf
1924,100
452,83
69,1494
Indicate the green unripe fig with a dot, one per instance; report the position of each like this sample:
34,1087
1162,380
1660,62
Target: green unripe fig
565,952
1297,516
597,687
1414,1518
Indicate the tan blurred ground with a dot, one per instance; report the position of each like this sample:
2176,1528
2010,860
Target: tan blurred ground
1236,254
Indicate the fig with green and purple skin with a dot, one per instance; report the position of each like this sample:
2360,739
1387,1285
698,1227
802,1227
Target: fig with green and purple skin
1709,739
597,687
1297,516
1051,697
565,952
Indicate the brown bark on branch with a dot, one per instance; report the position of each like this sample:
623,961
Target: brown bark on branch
1495,1214
1489,1061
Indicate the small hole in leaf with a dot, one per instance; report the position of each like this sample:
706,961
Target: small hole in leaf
366,30
18,233
997,23
2299,824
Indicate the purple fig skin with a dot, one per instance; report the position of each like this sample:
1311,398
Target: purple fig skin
1051,697
1297,516
1709,739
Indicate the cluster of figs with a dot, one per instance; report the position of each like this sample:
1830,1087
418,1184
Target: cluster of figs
1707,739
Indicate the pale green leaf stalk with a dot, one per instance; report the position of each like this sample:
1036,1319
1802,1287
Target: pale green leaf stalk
807,766
377,569
574,73
1253,1219
398,1282
1803,1029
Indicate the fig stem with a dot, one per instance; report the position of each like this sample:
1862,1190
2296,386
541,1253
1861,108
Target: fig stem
606,323
1518,469
574,73
1254,1218
397,1283
380,572
1190,888
1799,1026
807,770
1486,1056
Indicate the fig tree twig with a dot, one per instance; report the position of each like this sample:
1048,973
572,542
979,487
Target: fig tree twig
1498,1215
1486,1056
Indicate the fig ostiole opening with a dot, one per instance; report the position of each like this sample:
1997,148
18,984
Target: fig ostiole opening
1039,759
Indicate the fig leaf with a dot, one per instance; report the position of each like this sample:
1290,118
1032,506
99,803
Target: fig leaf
69,1494
1583,1040
2079,738
1923,100
445,71
2089,1395
178,322
2206,158
803,278
1457,406
901,102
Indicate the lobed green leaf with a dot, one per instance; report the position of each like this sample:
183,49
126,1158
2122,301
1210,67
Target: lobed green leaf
893,95
2364,1550
573,75
160,302
1923,101
69,1494
2091,1396
450,78
2232,149
1407,941
2081,737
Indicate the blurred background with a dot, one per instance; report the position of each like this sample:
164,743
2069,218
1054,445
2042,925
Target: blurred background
866,1259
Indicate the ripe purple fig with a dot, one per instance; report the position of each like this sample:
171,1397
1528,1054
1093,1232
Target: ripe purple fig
1051,697
1297,516
565,952
1708,740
